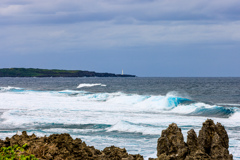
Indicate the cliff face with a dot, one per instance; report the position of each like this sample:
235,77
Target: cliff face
211,144
32,72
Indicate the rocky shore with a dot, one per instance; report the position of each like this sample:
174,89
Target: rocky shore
210,144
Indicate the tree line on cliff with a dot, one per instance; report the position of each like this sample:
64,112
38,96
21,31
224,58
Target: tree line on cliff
35,72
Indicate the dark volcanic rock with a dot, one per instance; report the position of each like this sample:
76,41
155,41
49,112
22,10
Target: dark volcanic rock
213,139
223,134
63,146
206,135
218,151
171,143
118,153
192,141
211,144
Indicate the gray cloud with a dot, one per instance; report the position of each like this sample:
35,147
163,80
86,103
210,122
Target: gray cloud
75,11
56,38
150,30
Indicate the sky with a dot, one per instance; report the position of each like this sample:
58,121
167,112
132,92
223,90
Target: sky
147,38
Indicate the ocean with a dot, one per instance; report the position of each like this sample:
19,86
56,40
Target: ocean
126,112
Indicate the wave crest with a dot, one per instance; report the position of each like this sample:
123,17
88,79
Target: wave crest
118,101
82,85
10,88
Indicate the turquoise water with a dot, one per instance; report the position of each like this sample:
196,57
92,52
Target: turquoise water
125,112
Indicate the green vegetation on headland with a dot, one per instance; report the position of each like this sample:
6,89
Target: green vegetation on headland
35,72
15,152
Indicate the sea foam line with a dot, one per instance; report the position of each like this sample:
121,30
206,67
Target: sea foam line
90,85
9,88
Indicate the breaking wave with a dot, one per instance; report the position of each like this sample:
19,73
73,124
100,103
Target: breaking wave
10,88
82,85
118,101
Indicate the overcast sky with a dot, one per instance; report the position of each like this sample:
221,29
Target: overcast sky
142,37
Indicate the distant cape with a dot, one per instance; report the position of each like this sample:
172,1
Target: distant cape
36,72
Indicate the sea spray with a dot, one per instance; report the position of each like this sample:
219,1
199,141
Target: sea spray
128,112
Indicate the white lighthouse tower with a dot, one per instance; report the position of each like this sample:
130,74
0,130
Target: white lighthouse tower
122,71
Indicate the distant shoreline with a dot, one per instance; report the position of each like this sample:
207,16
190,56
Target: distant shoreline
36,72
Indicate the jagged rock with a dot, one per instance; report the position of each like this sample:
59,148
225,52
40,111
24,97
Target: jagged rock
218,151
211,144
223,135
193,151
198,155
171,143
214,140
117,153
63,146
206,135
192,141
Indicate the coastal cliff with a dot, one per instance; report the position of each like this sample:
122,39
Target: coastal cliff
35,72
211,144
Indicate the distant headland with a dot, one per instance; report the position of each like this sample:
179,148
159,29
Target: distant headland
36,72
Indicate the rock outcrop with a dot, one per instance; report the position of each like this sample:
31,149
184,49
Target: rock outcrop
171,143
211,144
63,146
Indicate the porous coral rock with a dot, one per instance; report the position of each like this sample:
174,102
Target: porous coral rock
211,144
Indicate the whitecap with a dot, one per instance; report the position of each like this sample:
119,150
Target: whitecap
90,85
10,88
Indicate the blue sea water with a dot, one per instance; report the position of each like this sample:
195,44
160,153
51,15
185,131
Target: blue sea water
125,112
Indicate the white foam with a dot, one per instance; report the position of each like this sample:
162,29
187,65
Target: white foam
146,114
126,99
153,104
75,131
177,94
228,104
235,117
90,85
184,109
123,126
72,91
9,88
